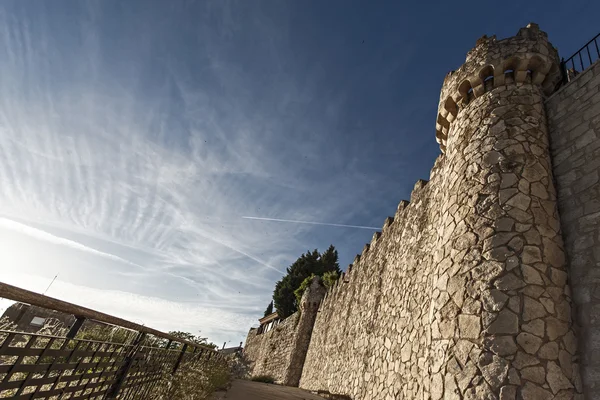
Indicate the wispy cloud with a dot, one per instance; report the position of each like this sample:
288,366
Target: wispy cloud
136,146
47,237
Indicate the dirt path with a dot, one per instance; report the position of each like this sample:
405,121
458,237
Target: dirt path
247,390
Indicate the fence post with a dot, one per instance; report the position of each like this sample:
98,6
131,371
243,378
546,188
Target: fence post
183,350
114,391
75,327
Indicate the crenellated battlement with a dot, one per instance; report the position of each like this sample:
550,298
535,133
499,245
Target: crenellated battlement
389,232
417,188
527,57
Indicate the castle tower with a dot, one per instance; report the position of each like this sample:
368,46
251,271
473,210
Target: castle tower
501,314
309,305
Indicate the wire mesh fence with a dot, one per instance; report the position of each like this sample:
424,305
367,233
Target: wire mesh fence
111,363
43,366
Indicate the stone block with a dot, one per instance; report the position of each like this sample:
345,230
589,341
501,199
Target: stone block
549,351
534,374
532,309
469,326
501,345
533,392
528,342
556,378
506,322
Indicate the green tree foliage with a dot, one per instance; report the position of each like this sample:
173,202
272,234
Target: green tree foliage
329,278
329,259
309,263
303,286
190,337
198,380
269,309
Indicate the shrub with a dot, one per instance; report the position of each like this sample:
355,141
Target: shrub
198,380
113,334
329,278
302,288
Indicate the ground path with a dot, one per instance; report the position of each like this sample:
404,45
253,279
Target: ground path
248,390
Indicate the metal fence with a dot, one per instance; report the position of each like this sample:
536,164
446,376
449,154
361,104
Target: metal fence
582,59
39,366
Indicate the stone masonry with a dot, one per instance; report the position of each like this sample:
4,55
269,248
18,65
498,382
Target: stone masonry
466,292
269,353
574,121
280,352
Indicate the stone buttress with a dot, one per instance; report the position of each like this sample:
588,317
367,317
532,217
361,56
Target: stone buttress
501,325
309,305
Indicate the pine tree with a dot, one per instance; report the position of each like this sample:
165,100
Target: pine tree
269,309
309,263
329,259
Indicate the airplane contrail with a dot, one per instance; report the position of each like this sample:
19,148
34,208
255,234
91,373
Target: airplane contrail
312,223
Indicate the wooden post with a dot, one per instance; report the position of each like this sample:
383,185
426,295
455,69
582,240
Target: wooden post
114,391
75,327
183,350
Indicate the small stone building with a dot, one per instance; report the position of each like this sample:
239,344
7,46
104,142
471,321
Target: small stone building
267,323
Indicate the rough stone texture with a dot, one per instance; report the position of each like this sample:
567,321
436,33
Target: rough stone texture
309,305
574,122
270,353
459,294
373,335
281,352
466,293
528,55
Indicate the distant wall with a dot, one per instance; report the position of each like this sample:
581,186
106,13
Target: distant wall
270,353
574,122
281,351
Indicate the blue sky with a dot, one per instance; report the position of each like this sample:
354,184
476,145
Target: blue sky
136,135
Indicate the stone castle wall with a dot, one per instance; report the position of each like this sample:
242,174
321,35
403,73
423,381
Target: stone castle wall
464,295
281,352
270,352
309,305
372,337
574,121
467,291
